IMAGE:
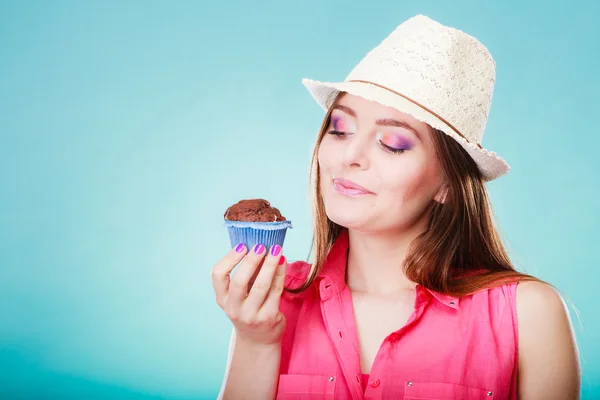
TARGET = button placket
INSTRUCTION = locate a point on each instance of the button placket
(346, 352)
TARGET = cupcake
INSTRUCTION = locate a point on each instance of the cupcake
(255, 221)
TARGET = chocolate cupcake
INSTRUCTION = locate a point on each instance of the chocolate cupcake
(255, 221)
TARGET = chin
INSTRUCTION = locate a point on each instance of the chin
(344, 213)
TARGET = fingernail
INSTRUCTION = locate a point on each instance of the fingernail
(281, 260)
(259, 248)
(240, 247)
(275, 250)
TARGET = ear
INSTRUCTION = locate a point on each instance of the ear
(442, 194)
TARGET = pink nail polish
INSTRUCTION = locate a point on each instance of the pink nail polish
(240, 247)
(259, 248)
(275, 250)
(281, 260)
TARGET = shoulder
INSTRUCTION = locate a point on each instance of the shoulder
(541, 313)
(291, 304)
(539, 301)
(547, 346)
(296, 273)
(529, 297)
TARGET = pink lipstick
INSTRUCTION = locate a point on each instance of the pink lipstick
(349, 188)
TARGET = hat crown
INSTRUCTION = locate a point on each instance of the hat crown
(441, 68)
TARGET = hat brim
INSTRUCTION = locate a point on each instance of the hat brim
(490, 164)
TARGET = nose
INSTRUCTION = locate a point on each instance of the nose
(356, 153)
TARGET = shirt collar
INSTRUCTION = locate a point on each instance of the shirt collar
(332, 278)
(333, 273)
(446, 299)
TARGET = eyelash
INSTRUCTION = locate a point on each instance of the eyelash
(339, 134)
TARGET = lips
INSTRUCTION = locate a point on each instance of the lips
(350, 188)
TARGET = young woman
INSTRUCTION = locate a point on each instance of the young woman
(411, 293)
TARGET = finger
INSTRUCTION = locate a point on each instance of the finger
(264, 281)
(221, 270)
(271, 303)
(238, 287)
(255, 275)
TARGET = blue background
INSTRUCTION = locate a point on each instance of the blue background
(127, 128)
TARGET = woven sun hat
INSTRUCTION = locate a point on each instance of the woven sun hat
(437, 74)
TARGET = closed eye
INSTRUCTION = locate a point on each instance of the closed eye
(392, 149)
(385, 147)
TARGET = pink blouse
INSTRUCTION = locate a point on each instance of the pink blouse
(450, 348)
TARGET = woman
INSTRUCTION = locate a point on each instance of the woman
(411, 293)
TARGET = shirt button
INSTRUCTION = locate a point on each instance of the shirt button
(375, 383)
(331, 378)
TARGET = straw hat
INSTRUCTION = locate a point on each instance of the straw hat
(439, 75)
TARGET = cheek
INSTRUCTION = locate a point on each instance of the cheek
(407, 182)
(321, 159)
(422, 189)
(325, 156)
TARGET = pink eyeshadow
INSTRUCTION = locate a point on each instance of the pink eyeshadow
(395, 141)
(340, 125)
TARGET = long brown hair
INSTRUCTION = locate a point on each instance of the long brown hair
(459, 253)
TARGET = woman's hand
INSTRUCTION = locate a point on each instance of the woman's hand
(251, 304)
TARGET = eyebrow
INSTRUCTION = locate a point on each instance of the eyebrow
(380, 122)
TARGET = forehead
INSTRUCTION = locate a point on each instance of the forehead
(366, 108)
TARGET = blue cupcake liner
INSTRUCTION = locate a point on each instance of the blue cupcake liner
(251, 233)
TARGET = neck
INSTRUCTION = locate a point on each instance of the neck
(375, 262)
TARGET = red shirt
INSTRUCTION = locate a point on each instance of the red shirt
(450, 348)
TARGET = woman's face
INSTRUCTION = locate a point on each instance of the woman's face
(378, 167)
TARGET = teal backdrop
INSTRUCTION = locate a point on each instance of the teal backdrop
(128, 127)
